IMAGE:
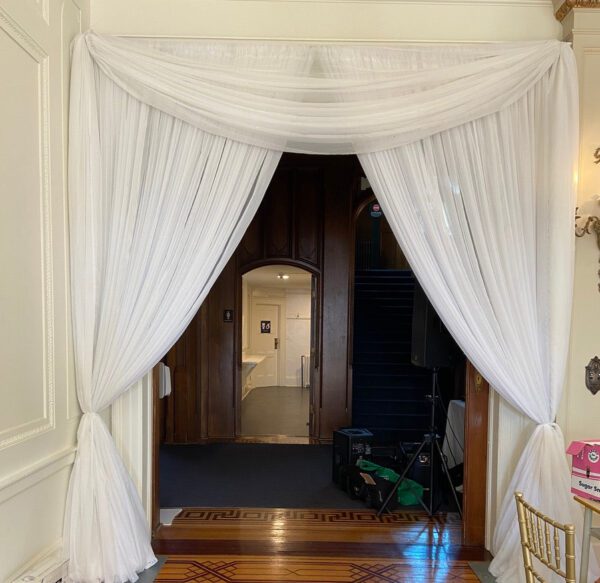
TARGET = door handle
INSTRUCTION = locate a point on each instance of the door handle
(276, 343)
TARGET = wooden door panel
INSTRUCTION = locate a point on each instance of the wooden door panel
(475, 463)
(182, 407)
(222, 355)
(307, 224)
(278, 217)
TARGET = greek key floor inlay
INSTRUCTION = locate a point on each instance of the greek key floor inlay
(304, 517)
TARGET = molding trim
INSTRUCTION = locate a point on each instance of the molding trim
(519, 3)
(51, 557)
(73, 409)
(50, 553)
(21, 480)
(568, 5)
(43, 7)
(34, 428)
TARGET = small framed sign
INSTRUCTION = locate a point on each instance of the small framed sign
(265, 326)
(228, 316)
(376, 210)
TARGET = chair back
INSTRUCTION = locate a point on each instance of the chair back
(541, 539)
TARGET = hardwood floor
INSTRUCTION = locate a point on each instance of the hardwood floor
(247, 569)
(305, 545)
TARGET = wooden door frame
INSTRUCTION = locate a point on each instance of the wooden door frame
(477, 395)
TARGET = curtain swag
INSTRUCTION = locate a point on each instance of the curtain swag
(470, 149)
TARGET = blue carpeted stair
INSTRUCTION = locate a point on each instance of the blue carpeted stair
(388, 394)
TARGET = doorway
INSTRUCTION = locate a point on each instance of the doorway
(277, 343)
(306, 221)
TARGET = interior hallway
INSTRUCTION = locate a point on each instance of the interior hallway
(276, 411)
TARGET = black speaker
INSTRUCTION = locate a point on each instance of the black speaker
(349, 444)
(432, 345)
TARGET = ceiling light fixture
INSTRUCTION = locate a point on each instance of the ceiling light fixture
(283, 276)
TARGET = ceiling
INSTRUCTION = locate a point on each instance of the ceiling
(267, 277)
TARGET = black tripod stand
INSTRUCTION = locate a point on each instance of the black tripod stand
(431, 440)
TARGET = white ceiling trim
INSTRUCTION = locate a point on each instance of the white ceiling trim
(422, 2)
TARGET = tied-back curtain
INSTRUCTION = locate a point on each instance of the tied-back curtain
(157, 207)
(490, 238)
(483, 212)
(469, 148)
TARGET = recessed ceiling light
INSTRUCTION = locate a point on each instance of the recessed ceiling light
(283, 276)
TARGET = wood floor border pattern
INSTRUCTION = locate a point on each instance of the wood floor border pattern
(307, 517)
(264, 569)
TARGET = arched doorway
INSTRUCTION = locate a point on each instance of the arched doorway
(278, 346)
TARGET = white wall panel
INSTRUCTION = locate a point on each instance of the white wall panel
(38, 417)
(579, 415)
(297, 336)
(25, 259)
(580, 411)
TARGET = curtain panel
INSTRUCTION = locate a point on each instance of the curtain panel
(470, 149)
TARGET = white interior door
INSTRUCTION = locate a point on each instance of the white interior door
(265, 340)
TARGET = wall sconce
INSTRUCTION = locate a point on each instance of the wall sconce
(585, 222)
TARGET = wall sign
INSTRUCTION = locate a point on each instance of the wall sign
(265, 326)
(228, 316)
(376, 210)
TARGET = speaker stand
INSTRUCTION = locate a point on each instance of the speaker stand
(431, 440)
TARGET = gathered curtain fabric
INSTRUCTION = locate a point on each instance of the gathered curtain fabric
(470, 149)
(157, 207)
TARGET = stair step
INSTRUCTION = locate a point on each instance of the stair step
(388, 391)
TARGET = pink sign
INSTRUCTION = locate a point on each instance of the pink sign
(585, 474)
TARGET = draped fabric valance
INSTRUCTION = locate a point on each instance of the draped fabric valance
(335, 105)
(471, 150)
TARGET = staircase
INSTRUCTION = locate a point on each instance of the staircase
(388, 393)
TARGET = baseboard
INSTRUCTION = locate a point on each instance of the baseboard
(49, 566)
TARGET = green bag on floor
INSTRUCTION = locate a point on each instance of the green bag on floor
(409, 492)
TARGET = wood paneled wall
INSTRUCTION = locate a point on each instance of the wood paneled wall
(305, 219)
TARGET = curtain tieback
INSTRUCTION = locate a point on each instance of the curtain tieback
(552, 424)
(87, 422)
(549, 425)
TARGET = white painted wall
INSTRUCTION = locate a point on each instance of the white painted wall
(39, 413)
(580, 411)
(297, 334)
(330, 20)
(579, 415)
(294, 330)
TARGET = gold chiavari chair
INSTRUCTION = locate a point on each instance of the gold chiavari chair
(541, 539)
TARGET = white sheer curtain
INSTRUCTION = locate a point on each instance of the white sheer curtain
(157, 207)
(422, 95)
(470, 149)
(484, 214)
